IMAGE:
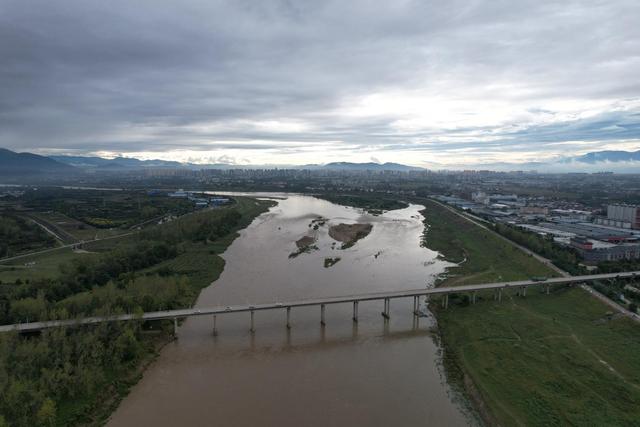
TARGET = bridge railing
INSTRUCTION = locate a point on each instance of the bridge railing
(386, 297)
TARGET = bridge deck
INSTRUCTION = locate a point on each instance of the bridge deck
(173, 314)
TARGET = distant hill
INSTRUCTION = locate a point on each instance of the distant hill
(118, 163)
(369, 166)
(14, 164)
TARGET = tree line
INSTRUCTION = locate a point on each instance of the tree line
(61, 376)
(565, 258)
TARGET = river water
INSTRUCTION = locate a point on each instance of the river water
(370, 373)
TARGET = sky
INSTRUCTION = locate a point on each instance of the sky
(297, 82)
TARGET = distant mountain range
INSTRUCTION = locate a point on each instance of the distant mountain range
(99, 163)
(14, 164)
(121, 163)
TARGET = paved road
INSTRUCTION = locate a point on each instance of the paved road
(57, 248)
(174, 314)
(619, 308)
(58, 232)
(540, 258)
(69, 245)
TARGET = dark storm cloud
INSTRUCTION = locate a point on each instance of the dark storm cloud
(154, 76)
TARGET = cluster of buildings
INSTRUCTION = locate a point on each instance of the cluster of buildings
(622, 216)
(596, 237)
(615, 237)
(200, 200)
(11, 194)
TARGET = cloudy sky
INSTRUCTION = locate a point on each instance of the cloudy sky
(295, 82)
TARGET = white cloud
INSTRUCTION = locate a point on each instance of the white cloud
(301, 82)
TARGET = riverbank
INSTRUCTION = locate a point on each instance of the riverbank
(337, 374)
(535, 360)
(77, 376)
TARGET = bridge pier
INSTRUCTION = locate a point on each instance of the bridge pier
(288, 317)
(500, 295)
(385, 312)
(252, 329)
(215, 330)
(445, 301)
(175, 326)
(473, 297)
(416, 303)
(322, 315)
(355, 311)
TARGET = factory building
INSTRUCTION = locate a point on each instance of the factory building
(595, 251)
(622, 216)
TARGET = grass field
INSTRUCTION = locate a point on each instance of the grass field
(104, 209)
(559, 359)
(201, 262)
(75, 228)
(483, 257)
(48, 264)
(44, 265)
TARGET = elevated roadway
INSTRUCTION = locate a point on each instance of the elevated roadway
(498, 287)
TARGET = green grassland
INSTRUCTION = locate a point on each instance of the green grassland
(104, 209)
(36, 266)
(201, 261)
(556, 359)
(19, 234)
(78, 229)
(482, 256)
(47, 264)
(559, 359)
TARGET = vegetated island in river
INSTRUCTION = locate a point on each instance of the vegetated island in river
(349, 234)
(375, 205)
(305, 244)
(330, 262)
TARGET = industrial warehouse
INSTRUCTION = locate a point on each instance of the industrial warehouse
(596, 237)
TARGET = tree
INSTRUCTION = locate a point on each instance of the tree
(46, 415)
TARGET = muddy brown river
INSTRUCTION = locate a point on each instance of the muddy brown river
(370, 373)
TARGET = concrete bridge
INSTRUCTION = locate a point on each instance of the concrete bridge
(386, 297)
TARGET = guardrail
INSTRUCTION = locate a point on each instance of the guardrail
(498, 287)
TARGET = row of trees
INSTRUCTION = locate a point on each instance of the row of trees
(62, 375)
(197, 227)
(39, 375)
(17, 234)
(105, 209)
(565, 258)
(35, 300)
